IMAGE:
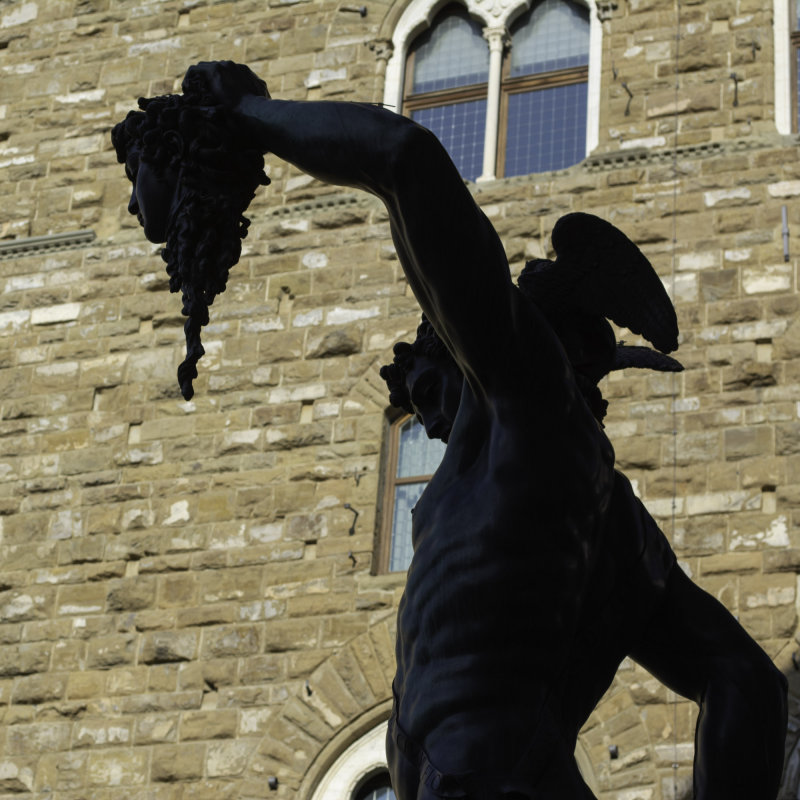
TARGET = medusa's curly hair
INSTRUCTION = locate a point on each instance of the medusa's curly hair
(426, 344)
(218, 174)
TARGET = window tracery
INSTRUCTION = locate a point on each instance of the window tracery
(507, 73)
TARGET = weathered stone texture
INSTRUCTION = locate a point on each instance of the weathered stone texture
(171, 573)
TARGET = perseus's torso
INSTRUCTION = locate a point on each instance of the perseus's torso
(505, 536)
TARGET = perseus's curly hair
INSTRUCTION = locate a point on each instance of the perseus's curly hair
(218, 174)
(427, 344)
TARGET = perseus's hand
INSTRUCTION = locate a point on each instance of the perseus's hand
(222, 83)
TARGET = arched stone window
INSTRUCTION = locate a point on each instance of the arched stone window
(446, 75)
(545, 90)
(412, 460)
(510, 89)
(377, 787)
(360, 772)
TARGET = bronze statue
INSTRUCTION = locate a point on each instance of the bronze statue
(528, 546)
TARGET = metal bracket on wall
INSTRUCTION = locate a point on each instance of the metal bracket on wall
(355, 518)
(785, 231)
(624, 85)
(735, 78)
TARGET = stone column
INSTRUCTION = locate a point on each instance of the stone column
(383, 49)
(498, 41)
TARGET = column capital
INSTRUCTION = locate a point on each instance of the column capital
(382, 48)
(498, 38)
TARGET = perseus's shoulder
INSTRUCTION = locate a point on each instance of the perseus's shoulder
(530, 366)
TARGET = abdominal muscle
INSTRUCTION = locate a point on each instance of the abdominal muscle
(502, 554)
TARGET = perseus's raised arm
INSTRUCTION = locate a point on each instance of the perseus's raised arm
(451, 255)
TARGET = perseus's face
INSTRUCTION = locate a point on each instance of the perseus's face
(153, 196)
(434, 386)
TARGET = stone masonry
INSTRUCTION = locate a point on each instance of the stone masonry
(183, 612)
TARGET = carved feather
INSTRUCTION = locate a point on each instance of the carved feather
(644, 358)
(600, 271)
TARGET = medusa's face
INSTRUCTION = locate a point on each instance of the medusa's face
(153, 196)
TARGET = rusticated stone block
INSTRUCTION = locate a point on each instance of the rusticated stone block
(763, 472)
(697, 447)
(748, 442)
(782, 560)
(217, 724)
(734, 563)
(179, 762)
(159, 647)
(40, 688)
(283, 635)
(177, 589)
(162, 678)
(116, 768)
(81, 599)
(110, 651)
(155, 620)
(787, 438)
(231, 640)
(749, 374)
(762, 591)
(141, 703)
(784, 622)
(640, 452)
(131, 594)
(699, 536)
(26, 740)
(16, 776)
(217, 586)
(308, 527)
(68, 656)
(98, 733)
(218, 614)
(154, 728)
(85, 684)
(291, 437)
(24, 659)
(261, 669)
(319, 604)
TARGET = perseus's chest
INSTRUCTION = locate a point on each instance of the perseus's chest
(484, 494)
(518, 479)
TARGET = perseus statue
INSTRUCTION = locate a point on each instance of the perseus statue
(528, 545)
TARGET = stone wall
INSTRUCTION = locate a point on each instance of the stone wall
(183, 612)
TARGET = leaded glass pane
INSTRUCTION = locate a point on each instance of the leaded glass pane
(546, 129)
(383, 793)
(460, 128)
(553, 35)
(451, 53)
(418, 455)
(405, 498)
